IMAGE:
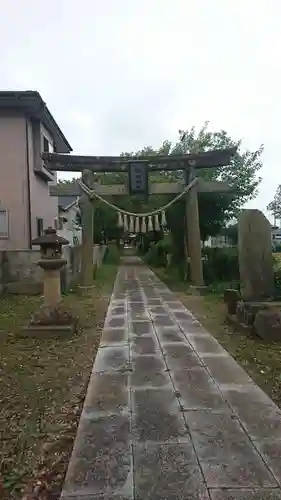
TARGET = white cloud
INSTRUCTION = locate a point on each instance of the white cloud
(118, 75)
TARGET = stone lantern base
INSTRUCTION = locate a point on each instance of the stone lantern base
(55, 321)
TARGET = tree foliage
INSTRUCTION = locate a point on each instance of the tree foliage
(216, 209)
(274, 207)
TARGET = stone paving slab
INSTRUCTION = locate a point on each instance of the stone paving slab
(168, 335)
(256, 411)
(107, 393)
(156, 416)
(144, 345)
(180, 357)
(245, 494)
(102, 458)
(114, 336)
(205, 344)
(169, 471)
(142, 328)
(98, 497)
(169, 414)
(195, 398)
(238, 471)
(149, 371)
(113, 358)
(224, 369)
(270, 450)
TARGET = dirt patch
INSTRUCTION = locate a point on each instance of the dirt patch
(42, 389)
(260, 359)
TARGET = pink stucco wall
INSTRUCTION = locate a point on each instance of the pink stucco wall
(42, 204)
(14, 183)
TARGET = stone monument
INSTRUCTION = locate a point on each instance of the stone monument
(255, 310)
(52, 318)
(255, 256)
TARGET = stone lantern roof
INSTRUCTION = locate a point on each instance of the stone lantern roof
(50, 238)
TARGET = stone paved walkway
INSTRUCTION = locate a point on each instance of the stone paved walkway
(168, 413)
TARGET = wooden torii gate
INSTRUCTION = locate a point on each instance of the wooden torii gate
(188, 163)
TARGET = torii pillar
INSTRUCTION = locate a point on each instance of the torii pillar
(87, 223)
(193, 235)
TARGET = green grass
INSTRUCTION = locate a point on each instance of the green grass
(106, 273)
(171, 277)
(277, 261)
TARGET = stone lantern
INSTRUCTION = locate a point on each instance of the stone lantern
(51, 262)
(52, 318)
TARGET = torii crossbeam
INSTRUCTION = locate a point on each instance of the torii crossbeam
(74, 163)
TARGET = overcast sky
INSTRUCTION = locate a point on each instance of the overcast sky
(121, 74)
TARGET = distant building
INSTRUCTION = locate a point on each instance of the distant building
(27, 128)
(220, 241)
(276, 236)
(67, 223)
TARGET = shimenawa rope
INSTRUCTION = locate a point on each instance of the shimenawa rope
(92, 193)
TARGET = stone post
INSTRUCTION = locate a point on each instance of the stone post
(194, 237)
(52, 288)
(87, 222)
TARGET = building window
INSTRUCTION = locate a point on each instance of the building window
(4, 223)
(39, 224)
(58, 223)
(46, 145)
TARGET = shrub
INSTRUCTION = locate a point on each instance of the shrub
(155, 256)
(277, 261)
(277, 282)
(112, 254)
(157, 253)
(220, 264)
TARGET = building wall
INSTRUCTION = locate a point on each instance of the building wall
(15, 133)
(13, 181)
(20, 274)
(42, 204)
(219, 241)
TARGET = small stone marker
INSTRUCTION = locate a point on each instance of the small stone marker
(268, 325)
(255, 256)
(231, 297)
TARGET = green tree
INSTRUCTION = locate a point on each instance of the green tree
(216, 209)
(274, 207)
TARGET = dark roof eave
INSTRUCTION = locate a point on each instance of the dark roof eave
(55, 127)
(32, 103)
